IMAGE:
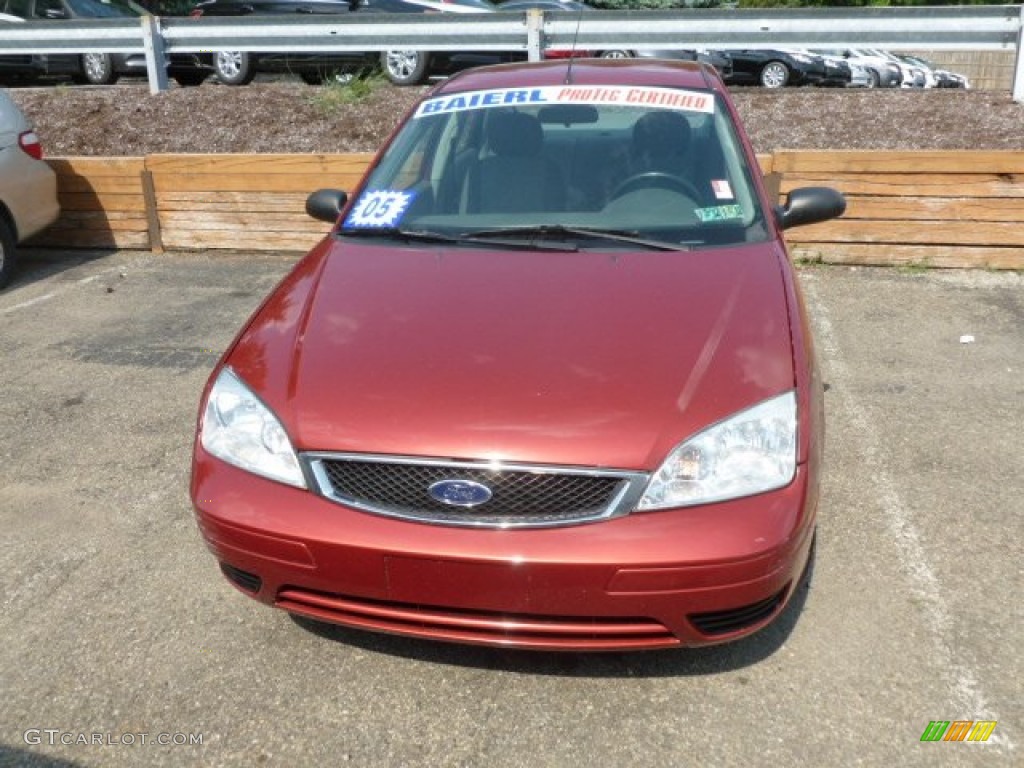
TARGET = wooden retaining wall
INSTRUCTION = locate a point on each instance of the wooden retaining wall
(950, 209)
(103, 204)
(245, 201)
(946, 209)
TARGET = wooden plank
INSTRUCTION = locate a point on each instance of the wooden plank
(934, 209)
(121, 184)
(911, 232)
(251, 182)
(90, 239)
(961, 257)
(283, 203)
(100, 224)
(98, 220)
(870, 161)
(243, 164)
(254, 241)
(87, 201)
(152, 217)
(90, 201)
(917, 185)
(277, 222)
(69, 215)
(97, 166)
(766, 162)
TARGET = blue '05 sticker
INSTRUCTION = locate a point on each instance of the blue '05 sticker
(379, 208)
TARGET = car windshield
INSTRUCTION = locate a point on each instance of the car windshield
(608, 166)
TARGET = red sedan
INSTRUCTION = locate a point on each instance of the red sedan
(549, 382)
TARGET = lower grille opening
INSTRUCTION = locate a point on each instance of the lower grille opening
(479, 627)
(247, 582)
(735, 619)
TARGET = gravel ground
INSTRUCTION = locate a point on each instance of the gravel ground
(293, 117)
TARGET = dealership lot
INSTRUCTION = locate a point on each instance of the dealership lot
(117, 623)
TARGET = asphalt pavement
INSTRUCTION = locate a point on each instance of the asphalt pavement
(118, 632)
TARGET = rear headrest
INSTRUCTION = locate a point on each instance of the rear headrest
(514, 134)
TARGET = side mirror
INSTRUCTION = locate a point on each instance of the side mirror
(809, 205)
(326, 204)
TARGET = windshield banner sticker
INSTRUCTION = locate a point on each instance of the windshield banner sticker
(720, 213)
(616, 95)
(379, 208)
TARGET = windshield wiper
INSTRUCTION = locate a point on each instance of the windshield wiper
(427, 236)
(420, 235)
(559, 231)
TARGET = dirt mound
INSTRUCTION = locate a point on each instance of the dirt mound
(293, 117)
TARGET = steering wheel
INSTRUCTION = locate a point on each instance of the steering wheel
(657, 179)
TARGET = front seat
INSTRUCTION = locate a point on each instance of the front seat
(515, 177)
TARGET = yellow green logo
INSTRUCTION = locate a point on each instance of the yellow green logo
(958, 730)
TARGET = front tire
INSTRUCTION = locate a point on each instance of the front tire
(190, 79)
(616, 54)
(774, 74)
(405, 67)
(234, 67)
(873, 79)
(8, 253)
(97, 69)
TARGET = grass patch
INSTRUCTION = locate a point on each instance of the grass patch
(914, 267)
(809, 259)
(343, 90)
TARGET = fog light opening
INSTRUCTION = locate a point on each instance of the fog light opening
(245, 581)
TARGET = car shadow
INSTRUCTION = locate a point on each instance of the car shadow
(24, 759)
(674, 662)
(39, 263)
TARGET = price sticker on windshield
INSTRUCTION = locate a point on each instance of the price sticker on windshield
(379, 208)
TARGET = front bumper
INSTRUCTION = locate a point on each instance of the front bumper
(648, 580)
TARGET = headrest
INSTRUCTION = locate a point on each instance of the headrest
(661, 134)
(514, 134)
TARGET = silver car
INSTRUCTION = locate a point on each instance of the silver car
(28, 186)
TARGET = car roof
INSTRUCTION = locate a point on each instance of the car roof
(649, 72)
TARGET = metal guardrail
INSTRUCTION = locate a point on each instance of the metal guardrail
(935, 28)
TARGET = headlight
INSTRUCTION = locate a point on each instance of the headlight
(751, 452)
(241, 430)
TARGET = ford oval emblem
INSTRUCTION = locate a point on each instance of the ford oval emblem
(460, 493)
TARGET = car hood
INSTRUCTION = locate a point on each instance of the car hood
(586, 358)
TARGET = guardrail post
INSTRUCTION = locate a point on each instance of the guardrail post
(535, 34)
(1018, 68)
(156, 55)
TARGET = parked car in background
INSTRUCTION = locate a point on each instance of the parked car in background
(860, 77)
(717, 59)
(838, 73)
(15, 67)
(720, 60)
(911, 75)
(881, 72)
(936, 77)
(547, 384)
(28, 186)
(240, 67)
(92, 68)
(402, 67)
(775, 68)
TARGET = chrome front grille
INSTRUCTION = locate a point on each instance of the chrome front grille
(520, 495)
